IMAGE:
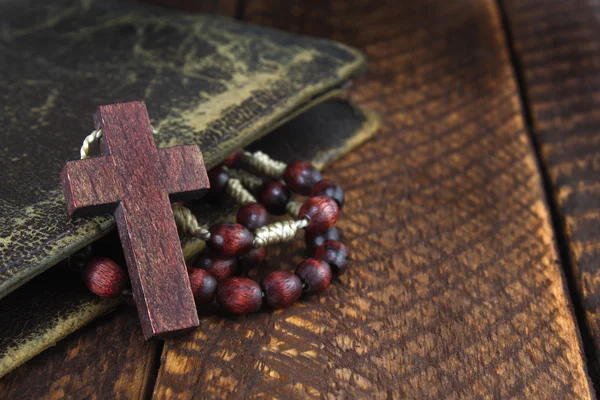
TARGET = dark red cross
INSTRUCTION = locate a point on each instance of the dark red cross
(133, 180)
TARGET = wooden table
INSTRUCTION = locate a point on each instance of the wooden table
(473, 215)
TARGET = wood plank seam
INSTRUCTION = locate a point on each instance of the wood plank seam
(558, 224)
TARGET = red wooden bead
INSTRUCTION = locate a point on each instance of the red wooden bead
(233, 160)
(315, 275)
(314, 240)
(218, 178)
(104, 277)
(274, 196)
(252, 258)
(281, 289)
(329, 188)
(218, 266)
(253, 216)
(239, 295)
(230, 239)
(301, 176)
(204, 286)
(336, 254)
(322, 212)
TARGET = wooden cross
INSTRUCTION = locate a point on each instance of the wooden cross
(133, 180)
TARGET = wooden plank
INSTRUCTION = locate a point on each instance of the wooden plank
(108, 358)
(455, 290)
(558, 48)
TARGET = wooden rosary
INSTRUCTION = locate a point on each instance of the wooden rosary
(237, 247)
(136, 180)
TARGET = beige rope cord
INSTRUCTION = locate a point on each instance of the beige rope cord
(293, 208)
(265, 164)
(187, 224)
(84, 152)
(278, 232)
(186, 221)
(236, 190)
(87, 142)
(251, 182)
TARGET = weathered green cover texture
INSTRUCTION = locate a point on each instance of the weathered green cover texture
(205, 79)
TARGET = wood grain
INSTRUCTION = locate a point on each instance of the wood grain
(557, 44)
(107, 359)
(455, 290)
(136, 178)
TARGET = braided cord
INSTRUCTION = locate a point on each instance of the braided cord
(84, 152)
(236, 190)
(251, 182)
(187, 224)
(293, 208)
(87, 142)
(265, 164)
(278, 232)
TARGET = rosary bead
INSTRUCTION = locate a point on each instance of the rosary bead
(230, 239)
(274, 196)
(253, 216)
(315, 275)
(252, 258)
(204, 286)
(301, 176)
(314, 240)
(218, 266)
(239, 295)
(233, 160)
(104, 277)
(281, 289)
(336, 254)
(322, 212)
(218, 178)
(329, 188)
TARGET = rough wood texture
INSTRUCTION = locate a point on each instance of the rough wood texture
(557, 44)
(135, 178)
(455, 290)
(108, 359)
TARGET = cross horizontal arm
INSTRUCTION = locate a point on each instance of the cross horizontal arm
(89, 184)
(184, 173)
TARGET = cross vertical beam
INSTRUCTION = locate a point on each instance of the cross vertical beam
(134, 178)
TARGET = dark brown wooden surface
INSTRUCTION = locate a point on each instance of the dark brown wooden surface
(108, 359)
(557, 44)
(136, 178)
(456, 290)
